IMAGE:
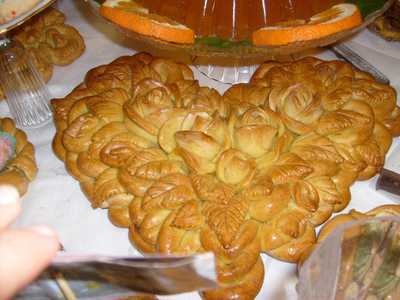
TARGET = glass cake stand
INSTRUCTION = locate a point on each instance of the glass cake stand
(23, 87)
(229, 75)
(230, 64)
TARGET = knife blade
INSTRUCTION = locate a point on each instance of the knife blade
(108, 277)
(344, 52)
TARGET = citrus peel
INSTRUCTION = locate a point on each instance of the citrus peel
(130, 15)
(338, 18)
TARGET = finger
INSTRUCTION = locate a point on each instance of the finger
(9, 205)
(24, 254)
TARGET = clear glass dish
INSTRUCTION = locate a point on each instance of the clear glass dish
(25, 91)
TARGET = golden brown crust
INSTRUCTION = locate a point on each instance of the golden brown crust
(255, 170)
(56, 42)
(44, 67)
(62, 44)
(49, 41)
(21, 169)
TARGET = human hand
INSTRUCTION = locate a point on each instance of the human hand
(24, 253)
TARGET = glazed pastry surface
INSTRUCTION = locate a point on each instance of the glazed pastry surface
(49, 41)
(20, 168)
(255, 170)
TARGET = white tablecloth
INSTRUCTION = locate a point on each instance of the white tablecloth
(55, 198)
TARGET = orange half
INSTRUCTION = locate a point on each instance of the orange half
(338, 18)
(130, 15)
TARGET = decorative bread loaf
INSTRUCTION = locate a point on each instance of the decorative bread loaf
(49, 41)
(17, 157)
(56, 42)
(255, 170)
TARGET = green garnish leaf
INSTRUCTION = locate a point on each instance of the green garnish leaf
(368, 7)
(218, 42)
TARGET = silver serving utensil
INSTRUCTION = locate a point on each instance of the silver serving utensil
(90, 277)
(344, 52)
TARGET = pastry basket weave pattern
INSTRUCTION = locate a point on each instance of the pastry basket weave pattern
(49, 42)
(21, 168)
(254, 170)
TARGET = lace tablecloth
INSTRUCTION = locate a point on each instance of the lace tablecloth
(55, 198)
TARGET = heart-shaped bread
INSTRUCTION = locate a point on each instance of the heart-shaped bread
(254, 170)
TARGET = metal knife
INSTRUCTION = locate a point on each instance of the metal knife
(344, 52)
(89, 277)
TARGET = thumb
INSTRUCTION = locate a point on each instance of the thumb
(9, 205)
(24, 254)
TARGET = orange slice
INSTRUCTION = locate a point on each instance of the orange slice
(338, 18)
(132, 16)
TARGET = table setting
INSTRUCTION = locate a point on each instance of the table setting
(74, 158)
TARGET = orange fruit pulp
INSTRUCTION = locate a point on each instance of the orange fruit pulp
(338, 18)
(132, 16)
(235, 19)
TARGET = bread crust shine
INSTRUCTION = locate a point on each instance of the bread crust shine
(255, 170)
(20, 169)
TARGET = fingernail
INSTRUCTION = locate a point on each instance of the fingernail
(8, 195)
(43, 230)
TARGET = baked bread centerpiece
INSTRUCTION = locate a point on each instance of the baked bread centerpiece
(49, 38)
(17, 157)
(49, 41)
(255, 170)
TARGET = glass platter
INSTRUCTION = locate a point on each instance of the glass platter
(19, 20)
(199, 53)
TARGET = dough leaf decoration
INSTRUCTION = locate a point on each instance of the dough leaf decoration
(225, 219)
(189, 217)
(170, 192)
(254, 170)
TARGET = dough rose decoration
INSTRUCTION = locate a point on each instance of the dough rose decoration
(17, 157)
(57, 42)
(256, 170)
(49, 41)
(357, 114)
